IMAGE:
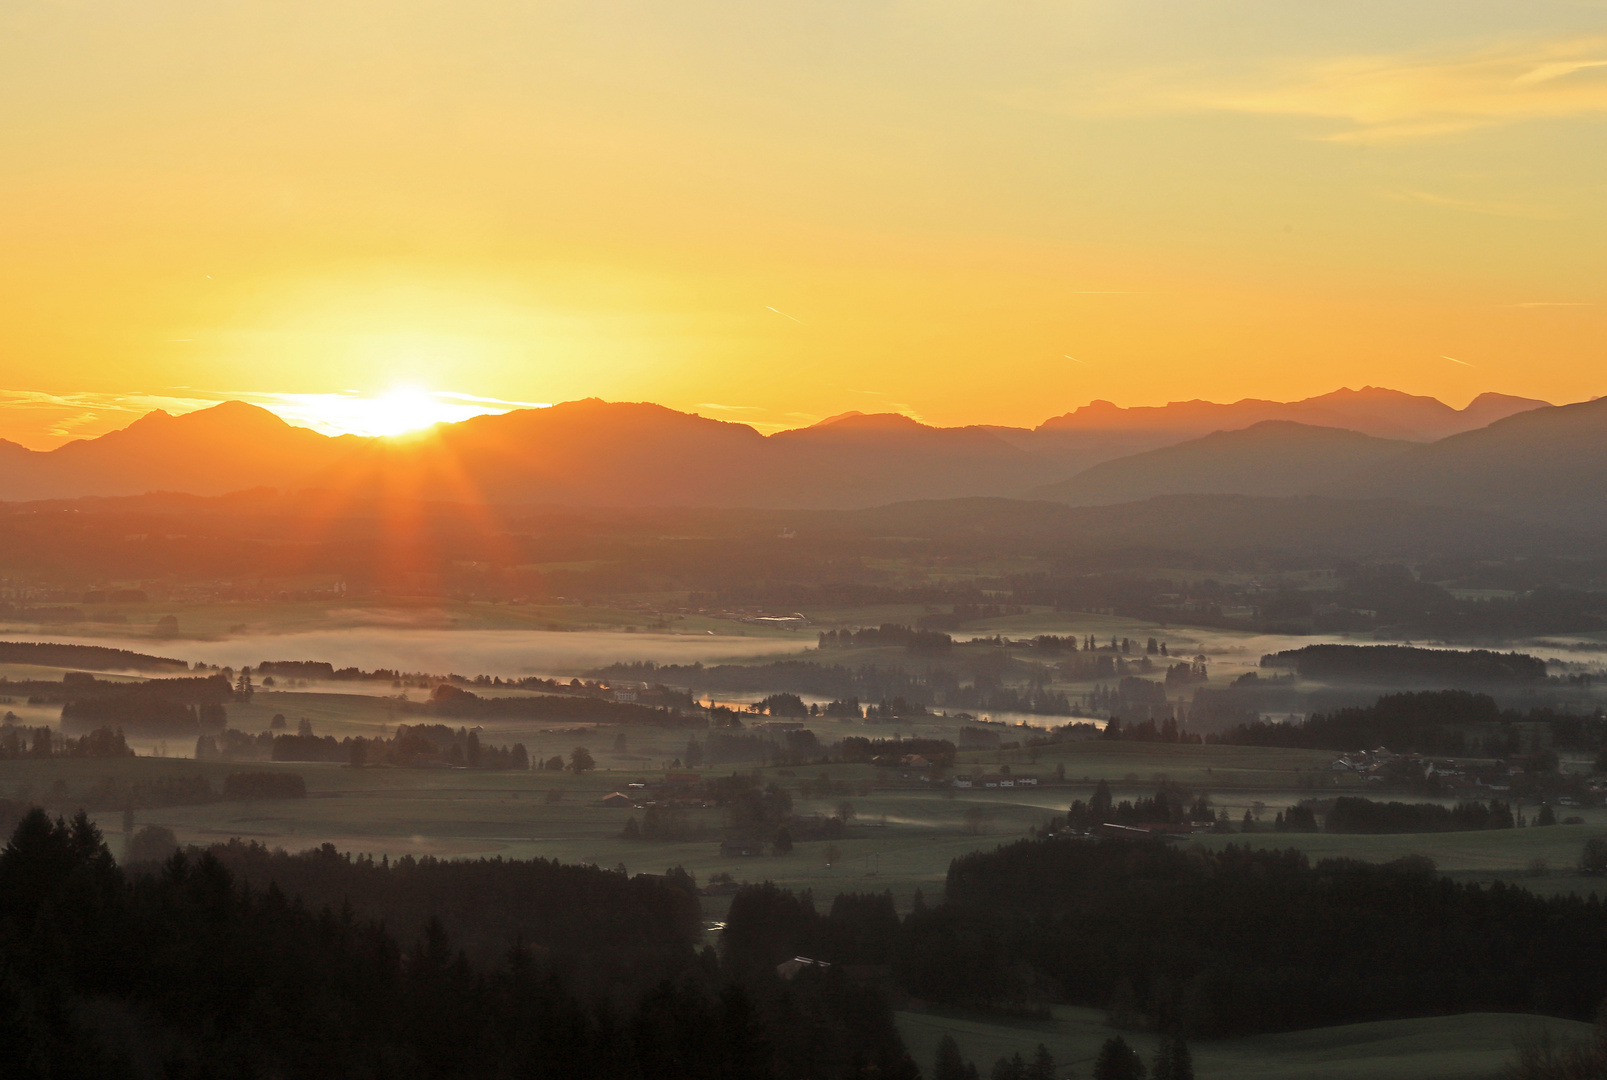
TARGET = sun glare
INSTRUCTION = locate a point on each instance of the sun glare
(405, 409)
(399, 411)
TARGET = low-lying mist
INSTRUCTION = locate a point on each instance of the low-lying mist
(463, 652)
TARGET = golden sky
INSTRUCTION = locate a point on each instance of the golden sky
(773, 211)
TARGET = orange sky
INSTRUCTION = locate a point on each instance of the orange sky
(774, 212)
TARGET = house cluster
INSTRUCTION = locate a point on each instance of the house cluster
(993, 780)
(678, 789)
(1478, 779)
(905, 761)
(1368, 764)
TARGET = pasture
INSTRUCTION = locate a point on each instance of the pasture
(1470, 1046)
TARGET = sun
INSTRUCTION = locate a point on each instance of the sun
(405, 409)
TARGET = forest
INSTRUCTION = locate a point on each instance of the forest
(191, 968)
(1207, 944)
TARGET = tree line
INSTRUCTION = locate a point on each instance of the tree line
(200, 970)
(1405, 663)
(1205, 944)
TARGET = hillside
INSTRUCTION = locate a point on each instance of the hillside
(1273, 457)
(598, 453)
(1372, 410)
(1546, 465)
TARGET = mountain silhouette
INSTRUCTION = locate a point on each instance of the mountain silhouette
(1273, 457)
(598, 453)
(1386, 414)
(1543, 465)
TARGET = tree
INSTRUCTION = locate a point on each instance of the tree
(1010, 1068)
(1593, 860)
(580, 760)
(783, 841)
(845, 811)
(1173, 1060)
(1099, 805)
(976, 819)
(1547, 816)
(1118, 1061)
(1043, 1065)
(948, 1064)
(152, 844)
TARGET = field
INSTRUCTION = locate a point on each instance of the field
(903, 835)
(904, 830)
(1471, 1045)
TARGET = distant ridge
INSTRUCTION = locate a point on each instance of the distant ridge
(99, 657)
(1372, 410)
(1544, 465)
(599, 453)
(1273, 457)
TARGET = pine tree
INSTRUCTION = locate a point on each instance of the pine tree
(1118, 1061)
(1099, 805)
(948, 1065)
(1173, 1060)
(1010, 1068)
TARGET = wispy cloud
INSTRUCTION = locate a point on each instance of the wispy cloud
(1552, 303)
(1474, 206)
(1376, 98)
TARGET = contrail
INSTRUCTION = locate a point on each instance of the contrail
(1073, 359)
(1454, 360)
(783, 314)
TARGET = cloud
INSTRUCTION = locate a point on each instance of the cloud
(1380, 98)
(1552, 303)
(1475, 206)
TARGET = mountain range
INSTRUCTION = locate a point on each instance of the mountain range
(1514, 456)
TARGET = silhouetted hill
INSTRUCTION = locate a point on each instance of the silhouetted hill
(587, 452)
(1233, 528)
(1371, 410)
(1546, 465)
(1273, 457)
(864, 460)
(209, 452)
(597, 453)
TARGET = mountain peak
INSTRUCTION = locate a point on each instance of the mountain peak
(859, 421)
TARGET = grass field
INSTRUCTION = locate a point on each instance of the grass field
(1464, 1047)
(904, 835)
